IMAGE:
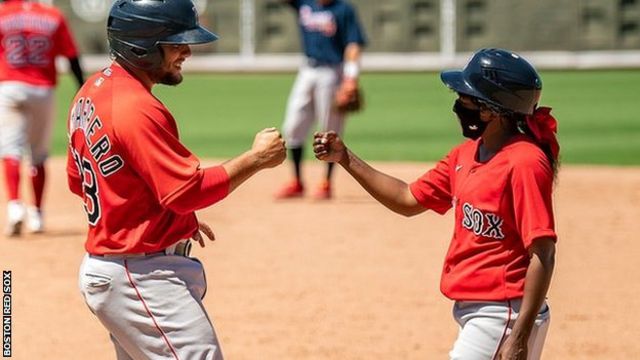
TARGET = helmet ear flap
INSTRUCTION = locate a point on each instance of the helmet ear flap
(139, 51)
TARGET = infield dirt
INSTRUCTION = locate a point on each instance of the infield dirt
(344, 279)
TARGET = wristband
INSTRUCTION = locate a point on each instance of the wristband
(351, 69)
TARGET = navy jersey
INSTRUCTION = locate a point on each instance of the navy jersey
(327, 30)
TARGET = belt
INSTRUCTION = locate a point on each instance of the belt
(180, 248)
(317, 63)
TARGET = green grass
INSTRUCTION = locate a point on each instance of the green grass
(408, 115)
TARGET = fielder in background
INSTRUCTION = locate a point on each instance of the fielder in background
(332, 39)
(141, 187)
(32, 35)
(501, 257)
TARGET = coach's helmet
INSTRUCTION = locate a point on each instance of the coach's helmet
(136, 28)
(500, 78)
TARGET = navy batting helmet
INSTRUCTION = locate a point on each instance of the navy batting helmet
(498, 77)
(136, 28)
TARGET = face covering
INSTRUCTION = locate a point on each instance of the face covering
(472, 126)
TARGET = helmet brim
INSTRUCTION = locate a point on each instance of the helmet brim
(455, 80)
(197, 35)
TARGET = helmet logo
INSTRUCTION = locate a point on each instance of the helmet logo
(490, 74)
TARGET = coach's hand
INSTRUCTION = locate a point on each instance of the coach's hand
(268, 148)
(329, 147)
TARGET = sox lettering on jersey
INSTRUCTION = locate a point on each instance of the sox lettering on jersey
(482, 223)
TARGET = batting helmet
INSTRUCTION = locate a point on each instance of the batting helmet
(136, 28)
(498, 77)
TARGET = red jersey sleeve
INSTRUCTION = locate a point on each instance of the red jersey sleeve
(65, 45)
(433, 189)
(151, 146)
(73, 175)
(532, 185)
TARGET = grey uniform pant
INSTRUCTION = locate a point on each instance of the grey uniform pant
(311, 99)
(151, 306)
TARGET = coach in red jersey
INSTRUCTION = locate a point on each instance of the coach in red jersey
(140, 186)
(32, 35)
(499, 183)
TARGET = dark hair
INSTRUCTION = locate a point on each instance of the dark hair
(521, 123)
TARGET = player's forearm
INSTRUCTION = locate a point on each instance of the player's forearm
(242, 168)
(536, 286)
(351, 67)
(76, 69)
(388, 190)
(352, 52)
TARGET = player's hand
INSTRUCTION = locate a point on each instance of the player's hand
(349, 85)
(268, 148)
(203, 229)
(513, 348)
(328, 146)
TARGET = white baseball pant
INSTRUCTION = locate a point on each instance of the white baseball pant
(311, 98)
(485, 325)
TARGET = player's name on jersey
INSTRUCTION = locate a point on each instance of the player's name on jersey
(84, 117)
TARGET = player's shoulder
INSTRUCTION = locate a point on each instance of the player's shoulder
(524, 148)
(524, 154)
(129, 95)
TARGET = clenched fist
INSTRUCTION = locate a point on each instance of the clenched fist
(268, 148)
(328, 146)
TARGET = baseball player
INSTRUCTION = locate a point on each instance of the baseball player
(140, 187)
(332, 39)
(499, 183)
(32, 35)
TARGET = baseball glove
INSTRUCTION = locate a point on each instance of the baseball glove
(349, 97)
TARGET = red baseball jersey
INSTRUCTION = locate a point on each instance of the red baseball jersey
(31, 36)
(139, 184)
(501, 207)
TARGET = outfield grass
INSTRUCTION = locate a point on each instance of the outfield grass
(408, 116)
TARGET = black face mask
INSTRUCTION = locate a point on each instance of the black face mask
(472, 126)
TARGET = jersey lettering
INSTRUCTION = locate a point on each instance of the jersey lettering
(494, 229)
(95, 125)
(100, 148)
(23, 51)
(82, 118)
(110, 165)
(482, 223)
(321, 21)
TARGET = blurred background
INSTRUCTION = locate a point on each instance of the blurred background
(588, 53)
(404, 34)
